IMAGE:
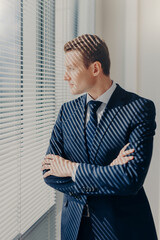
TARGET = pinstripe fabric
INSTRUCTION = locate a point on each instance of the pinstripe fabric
(119, 208)
(92, 124)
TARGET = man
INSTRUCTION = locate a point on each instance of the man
(87, 158)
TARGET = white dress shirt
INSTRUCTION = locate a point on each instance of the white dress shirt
(104, 98)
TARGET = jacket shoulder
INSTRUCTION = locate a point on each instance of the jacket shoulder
(75, 101)
(70, 107)
(131, 97)
(139, 103)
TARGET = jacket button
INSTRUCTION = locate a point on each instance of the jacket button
(87, 189)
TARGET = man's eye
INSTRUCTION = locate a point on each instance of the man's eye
(70, 68)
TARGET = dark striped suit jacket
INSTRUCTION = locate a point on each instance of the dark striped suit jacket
(118, 205)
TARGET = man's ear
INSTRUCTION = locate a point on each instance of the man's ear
(96, 68)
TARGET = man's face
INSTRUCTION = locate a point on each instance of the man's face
(80, 78)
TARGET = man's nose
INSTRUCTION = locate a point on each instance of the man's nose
(67, 76)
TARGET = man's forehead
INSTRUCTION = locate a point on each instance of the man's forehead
(73, 57)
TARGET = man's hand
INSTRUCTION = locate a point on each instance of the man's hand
(122, 157)
(57, 166)
(61, 167)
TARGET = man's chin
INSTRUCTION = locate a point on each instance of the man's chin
(75, 92)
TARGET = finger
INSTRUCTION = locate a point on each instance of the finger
(124, 160)
(129, 158)
(47, 174)
(129, 151)
(121, 160)
(46, 161)
(45, 167)
(123, 149)
(50, 157)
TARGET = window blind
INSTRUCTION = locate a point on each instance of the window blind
(27, 111)
(10, 116)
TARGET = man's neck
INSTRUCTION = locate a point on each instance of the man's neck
(102, 85)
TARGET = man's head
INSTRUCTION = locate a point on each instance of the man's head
(87, 56)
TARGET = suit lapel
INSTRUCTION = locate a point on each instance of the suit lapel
(112, 108)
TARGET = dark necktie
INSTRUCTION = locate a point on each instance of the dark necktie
(92, 123)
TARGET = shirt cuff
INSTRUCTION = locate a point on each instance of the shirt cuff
(74, 171)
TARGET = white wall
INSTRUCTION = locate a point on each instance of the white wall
(149, 85)
(131, 30)
(110, 25)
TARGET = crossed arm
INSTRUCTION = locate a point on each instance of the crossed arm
(124, 176)
(62, 167)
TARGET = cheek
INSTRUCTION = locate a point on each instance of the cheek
(82, 77)
(75, 74)
(87, 79)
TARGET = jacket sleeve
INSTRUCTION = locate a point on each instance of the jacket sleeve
(128, 178)
(63, 184)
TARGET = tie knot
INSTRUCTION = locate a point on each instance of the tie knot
(94, 105)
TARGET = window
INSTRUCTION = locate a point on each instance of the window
(32, 35)
(27, 110)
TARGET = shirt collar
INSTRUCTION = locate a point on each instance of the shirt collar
(105, 96)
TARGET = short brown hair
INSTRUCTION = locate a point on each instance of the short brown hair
(92, 49)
